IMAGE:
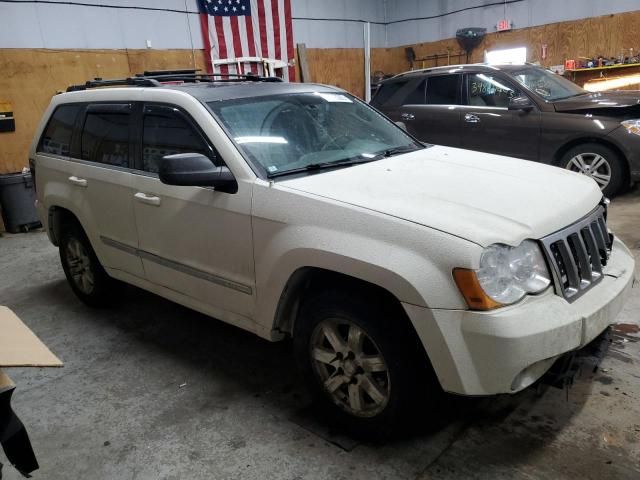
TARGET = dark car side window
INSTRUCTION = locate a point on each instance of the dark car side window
(105, 135)
(166, 131)
(401, 92)
(486, 90)
(443, 90)
(56, 138)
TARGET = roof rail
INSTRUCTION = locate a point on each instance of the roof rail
(155, 78)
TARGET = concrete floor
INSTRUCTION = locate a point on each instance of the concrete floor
(151, 390)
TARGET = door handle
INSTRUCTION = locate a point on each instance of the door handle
(471, 118)
(407, 116)
(148, 199)
(80, 182)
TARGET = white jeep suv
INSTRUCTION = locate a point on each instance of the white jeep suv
(399, 270)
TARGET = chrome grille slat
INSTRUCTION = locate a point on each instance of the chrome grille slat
(584, 263)
(578, 253)
(594, 255)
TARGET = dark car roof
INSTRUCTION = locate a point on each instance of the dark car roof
(215, 91)
(462, 68)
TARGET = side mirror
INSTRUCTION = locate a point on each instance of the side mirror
(520, 103)
(195, 170)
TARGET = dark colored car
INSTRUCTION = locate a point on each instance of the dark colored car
(521, 111)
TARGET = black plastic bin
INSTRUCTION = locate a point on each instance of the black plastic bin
(17, 202)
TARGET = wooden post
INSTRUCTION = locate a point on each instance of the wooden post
(305, 76)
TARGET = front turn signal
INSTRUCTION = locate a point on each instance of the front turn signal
(472, 291)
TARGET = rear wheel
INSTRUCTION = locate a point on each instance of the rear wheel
(600, 163)
(83, 270)
(363, 363)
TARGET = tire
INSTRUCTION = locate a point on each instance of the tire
(582, 158)
(380, 375)
(86, 276)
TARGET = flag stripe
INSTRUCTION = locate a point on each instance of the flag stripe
(228, 36)
(237, 45)
(250, 39)
(289, 29)
(275, 16)
(206, 40)
(264, 52)
(222, 44)
(268, 17)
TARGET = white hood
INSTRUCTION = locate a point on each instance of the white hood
(477, 196)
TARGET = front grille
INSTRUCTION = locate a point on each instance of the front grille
(577, 254)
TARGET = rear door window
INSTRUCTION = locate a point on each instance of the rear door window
(485, 90)
(401, 92)
(443, 90)
(56, 138)
(105, 134)
(167, 131)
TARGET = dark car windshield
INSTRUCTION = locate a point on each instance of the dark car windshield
(548, 85)
(293, 132)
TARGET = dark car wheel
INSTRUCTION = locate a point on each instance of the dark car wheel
(361, 364)
(598, 162)
(83, 270)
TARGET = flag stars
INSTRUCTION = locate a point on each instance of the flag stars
(243, 7)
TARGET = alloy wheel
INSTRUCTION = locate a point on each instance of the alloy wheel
(593, 165)
(79, 265)
(351, 367)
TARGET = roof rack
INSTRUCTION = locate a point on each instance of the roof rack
(155, 78)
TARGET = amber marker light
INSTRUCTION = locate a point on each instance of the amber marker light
(472, 291)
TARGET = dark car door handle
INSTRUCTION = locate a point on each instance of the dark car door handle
(471, 118)
(407, 116)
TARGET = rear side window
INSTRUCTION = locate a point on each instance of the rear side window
(404, 92)
(105, 136)
(166, 131)
(56, 138)
(443, 90)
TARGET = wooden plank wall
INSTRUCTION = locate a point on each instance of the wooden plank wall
(607, 35)
(29, 78)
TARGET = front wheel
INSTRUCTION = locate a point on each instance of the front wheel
(598, 162)
(363, 363)
(83, 270)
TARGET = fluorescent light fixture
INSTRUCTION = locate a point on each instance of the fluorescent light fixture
(612, 83)
(507, 55)
(242, 140)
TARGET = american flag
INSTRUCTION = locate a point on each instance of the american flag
(250, 35)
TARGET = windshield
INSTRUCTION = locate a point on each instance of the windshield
(550, 86)
(287, 133)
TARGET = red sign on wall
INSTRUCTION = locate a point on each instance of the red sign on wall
(503, 25)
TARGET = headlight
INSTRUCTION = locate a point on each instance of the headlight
(507, 274)
(632, 126)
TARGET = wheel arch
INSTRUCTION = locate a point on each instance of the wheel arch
(57, 217)
(560, 152)
(306, 280)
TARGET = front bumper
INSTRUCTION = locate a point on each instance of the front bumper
(506, 350)
(629, 143)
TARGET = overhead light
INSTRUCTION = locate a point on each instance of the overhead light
(507, 55)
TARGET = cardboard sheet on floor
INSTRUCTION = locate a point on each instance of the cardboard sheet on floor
(19, 347)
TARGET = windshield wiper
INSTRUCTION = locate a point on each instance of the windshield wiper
(343, 162)
(397, 151)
